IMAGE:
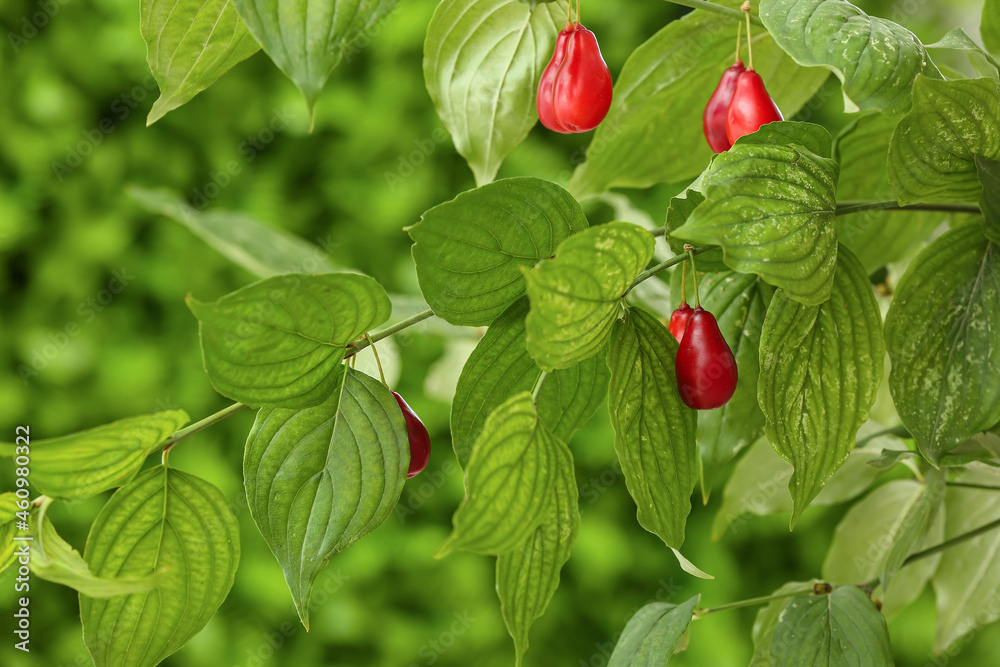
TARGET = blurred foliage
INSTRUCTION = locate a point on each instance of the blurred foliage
(93, 328)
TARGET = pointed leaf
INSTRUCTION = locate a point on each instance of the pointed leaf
(652, 634)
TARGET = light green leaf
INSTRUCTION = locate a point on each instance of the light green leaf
(500, 367)
(989, 28)
(528, 576)
(179, 527)
(483, 60)
(820, 369)
(320, 479)
(959, 40)
(654, 430)
(281, 341)
(307, 39)
(989, 176)
(914, 525)
(681, 208)
(576, 296)
(262, 250)
(841, 628)
(875, 59)
(189, 45)
(932, 157)
(771, 208)
(943, 337)
(653, 131)
(8, 528)
(767, 619)
(84, 464)
(469, 251)
(651, 636)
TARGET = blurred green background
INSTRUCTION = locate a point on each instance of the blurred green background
(95, 356)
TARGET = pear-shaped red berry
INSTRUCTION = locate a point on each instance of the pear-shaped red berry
(679, 320)
(574, 94)
(706, 367)
(750, 108)
(420, 441)
(717, 110)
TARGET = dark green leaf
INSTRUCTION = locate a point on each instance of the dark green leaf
(652, 634)
(989, 176)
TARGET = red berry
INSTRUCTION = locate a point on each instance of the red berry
(751, 107)
(717, 109)
(574, 94)
(706, 367)
(679, 320)
(420, 441)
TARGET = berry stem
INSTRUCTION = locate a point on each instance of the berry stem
(684, 277)
(715, 9)
(739, 34)
(378, 362)
(694, 275)
(745, 8)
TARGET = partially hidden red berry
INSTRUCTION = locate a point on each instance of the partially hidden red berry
(717, 110)
(750, 108)
(420, 441)
(679, 320)
(574, 94)
(706, 367)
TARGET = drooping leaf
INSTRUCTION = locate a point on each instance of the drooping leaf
(576, 297)
(989, 176)
(469, 251)
(875, 59)
(958, 40)
(500, 367)
(84, 464)
(820, 369)
(943, 336)
(483, 60)
(8, 528)
(652, 634)
(173, 525)
(280, 341)
(770, 206)
(189, 45)
(320, 479)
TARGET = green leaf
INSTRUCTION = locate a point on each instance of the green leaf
(483, 60)
(653, 131)
(576, 296)
(932, 157)
(841, 628)
(943, 337)
(876, 237)
(528, 576)
(767, 619)
(652, 634)
(821, 367)
(281, 341)
(915, 524)
(771, 208)
(509, 481)
(8, 528)
(989, 176)
(875, 59)
(84, 464)
(989, 28)
(654, 430)
(189, 45)
(681, 208)
(173, 524)
(321, 478)
(469, 251)
(959, 40)
(307, 39)
(261, 249)
(500, 367)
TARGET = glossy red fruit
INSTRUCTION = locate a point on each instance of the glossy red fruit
(679, 320)
(574, 94)
(751, 107)
(706, 367)
(420, 441)
(717, 110)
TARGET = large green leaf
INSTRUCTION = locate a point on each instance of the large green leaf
(509, 481)
(989, 28)
(943, 337)
(528, 576)
(653, 131)
(320, 479)
(8, 528)
(500, 367)
(932, 157)
(989, 176)
(654, 430)
(767, 619)
(576, 296)
(189, 45)
(875, 59)
(820, 370)
(482, 63)
(84, 464)
(179, 527)
(770, 205)
(281, 341)
(652, 634)
(469, 251)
